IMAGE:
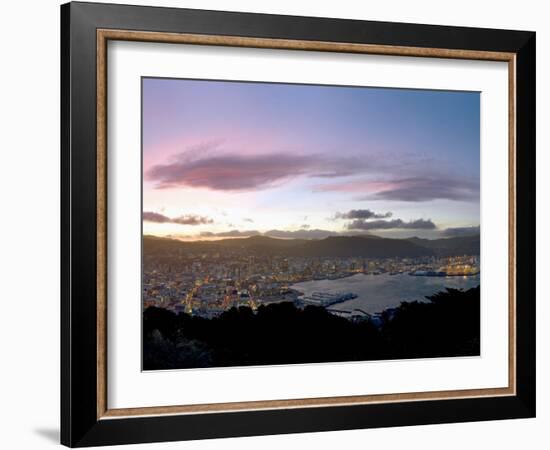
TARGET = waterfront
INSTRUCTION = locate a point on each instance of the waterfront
(378, 292)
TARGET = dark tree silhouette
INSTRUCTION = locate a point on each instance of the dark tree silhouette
(445, 325)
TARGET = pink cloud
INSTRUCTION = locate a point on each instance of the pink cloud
(235, 171)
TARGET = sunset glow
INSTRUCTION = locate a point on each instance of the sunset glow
(235, 159)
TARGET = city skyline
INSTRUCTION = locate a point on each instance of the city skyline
(235, 159)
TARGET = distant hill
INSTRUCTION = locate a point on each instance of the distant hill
(337, 246)
(256, 244)
(463, 245)
(360, 246)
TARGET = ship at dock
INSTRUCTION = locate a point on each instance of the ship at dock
(469, 272)
(327, 299)
(428, 273)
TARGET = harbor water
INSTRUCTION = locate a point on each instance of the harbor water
(378, 292)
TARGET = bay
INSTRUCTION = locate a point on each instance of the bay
(378, 292)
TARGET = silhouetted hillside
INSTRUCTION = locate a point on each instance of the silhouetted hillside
(463, 245)
(445, 326)
(334, 246)
(254, 244)
(360, 246)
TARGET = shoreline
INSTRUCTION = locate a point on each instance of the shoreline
(377, 293)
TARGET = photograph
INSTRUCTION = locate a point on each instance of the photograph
(299, 223)
(277, 222)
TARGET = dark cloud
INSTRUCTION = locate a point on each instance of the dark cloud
(192, 220)
(247, 219)
(189, 219)
(420, 189)
(419, 224)
(460, 231)
(301, 234)
(155, 217)
(278, 234)
(362, 214)
(232, 233)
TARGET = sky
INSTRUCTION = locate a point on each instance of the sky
(233, 159)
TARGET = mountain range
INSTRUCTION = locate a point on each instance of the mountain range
(334, 246)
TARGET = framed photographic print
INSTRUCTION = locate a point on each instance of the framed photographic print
(276, 224)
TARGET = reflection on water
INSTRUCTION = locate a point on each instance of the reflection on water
(378, 292)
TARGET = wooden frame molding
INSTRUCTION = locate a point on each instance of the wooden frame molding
(103, 36)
